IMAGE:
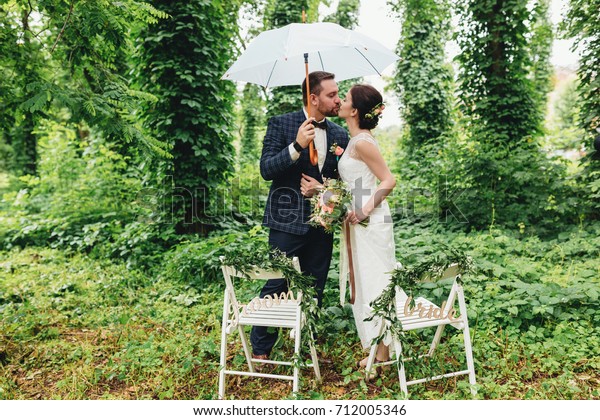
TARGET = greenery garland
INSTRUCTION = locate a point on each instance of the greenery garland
(408, 278)
(266, 258)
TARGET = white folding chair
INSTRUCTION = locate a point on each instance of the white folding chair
(426, 314)
(278, 312)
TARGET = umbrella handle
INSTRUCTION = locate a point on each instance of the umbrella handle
(312, 152)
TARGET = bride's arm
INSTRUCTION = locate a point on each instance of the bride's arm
(369, 153)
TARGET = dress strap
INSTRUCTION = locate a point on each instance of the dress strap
(365, 137)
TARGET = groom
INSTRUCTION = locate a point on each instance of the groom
(285, 161)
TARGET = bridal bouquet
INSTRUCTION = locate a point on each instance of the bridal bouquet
(330, 204)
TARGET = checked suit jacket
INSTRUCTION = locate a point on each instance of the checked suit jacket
(287, 209)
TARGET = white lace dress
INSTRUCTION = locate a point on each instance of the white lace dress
(373, 247)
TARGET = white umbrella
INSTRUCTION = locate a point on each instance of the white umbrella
(276, 57)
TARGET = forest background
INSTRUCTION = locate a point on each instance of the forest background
(127, 167)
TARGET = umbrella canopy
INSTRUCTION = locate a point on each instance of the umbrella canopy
(276, 57)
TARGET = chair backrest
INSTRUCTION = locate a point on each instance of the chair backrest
(255, 273)
(451, 273)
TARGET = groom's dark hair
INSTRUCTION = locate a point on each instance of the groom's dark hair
(315, 78)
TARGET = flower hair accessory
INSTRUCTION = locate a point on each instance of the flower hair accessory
(375, 111)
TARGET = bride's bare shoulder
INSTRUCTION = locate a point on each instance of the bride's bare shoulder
(364, 141)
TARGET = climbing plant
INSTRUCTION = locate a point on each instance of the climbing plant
(423, 77)
(181, 61)
(505, 171)
(583, 25)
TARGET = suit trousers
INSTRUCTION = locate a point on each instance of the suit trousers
(314, 251)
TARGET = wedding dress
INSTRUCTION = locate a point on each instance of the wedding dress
(373, 247)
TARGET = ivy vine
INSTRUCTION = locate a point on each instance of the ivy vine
(423, 77)
(503, 59)
(181, 61)
(583, 25)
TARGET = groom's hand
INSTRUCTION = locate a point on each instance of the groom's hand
(309, 185)
(306, 133)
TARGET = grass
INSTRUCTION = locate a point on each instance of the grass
(73, 327)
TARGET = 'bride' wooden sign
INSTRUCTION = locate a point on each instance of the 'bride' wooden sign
(431, 312)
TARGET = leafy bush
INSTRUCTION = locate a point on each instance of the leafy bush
(86, 197)
(196, 262)
(82, 189)
(520, 281)
(527, 188)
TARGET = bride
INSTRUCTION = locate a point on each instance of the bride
(372, 247)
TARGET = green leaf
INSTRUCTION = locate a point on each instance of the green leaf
(38, 102)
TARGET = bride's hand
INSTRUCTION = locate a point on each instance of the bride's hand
(355, 217)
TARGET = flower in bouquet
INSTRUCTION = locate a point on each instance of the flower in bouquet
(330, 204)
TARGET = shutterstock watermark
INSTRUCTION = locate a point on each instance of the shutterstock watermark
(246, 199)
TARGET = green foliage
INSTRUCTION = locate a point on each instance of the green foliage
(582, 25)
(21, 68)
(111, 331)
(507, 189)
(566, 107)
(6, 155)
(346, 14)
(540, 50)
(283, 12)
(95, 46)
(197, 262)
(589, 182)
(85, 198)
(253, 120)
(100, 329)
(8, 71)
(77, 61)
(505, 177)
(423, 79)
(494, 86)
(79, 189)
(284, 99)
(519, 280)
(562, 123)
(194, 112)
(244, 196)
(251, 108)
(424, 83)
